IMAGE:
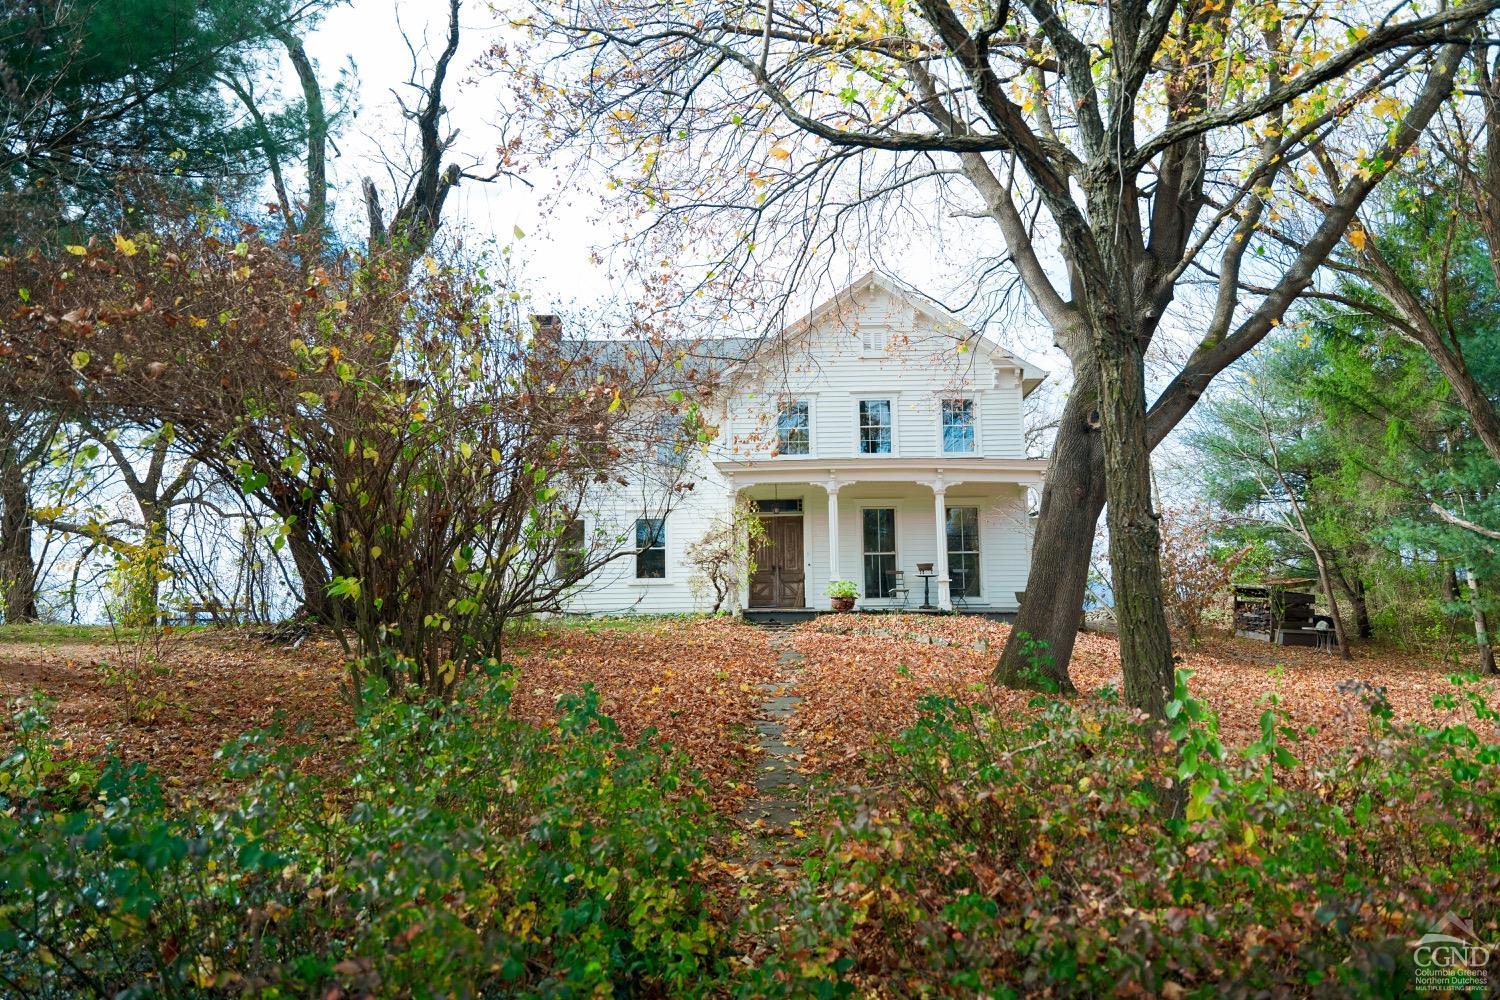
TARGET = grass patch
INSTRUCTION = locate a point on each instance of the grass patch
(48, 634)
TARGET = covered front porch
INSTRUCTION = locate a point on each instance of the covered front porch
(911, 535)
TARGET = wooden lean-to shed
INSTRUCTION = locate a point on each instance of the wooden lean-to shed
(1278, 611)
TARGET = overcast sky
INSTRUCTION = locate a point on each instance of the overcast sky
(562, 230)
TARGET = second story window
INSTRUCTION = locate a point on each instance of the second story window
(958, 426)
(874, 426)
(671, 441)
(872, 340)
(794, 429)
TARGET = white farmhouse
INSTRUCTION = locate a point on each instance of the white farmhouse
(878, 439)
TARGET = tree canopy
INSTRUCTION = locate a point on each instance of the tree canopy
(1150, 145)
(103, 97)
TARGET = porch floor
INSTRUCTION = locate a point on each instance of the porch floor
(788, 616)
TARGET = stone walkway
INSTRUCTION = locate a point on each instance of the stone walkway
(779, 786)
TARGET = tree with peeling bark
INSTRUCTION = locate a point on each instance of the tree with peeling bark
(1149, 143)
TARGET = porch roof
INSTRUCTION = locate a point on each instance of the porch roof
(943, 472)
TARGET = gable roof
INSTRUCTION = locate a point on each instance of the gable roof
(715, 354)
(1031, 375)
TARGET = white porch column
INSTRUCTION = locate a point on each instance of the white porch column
(940, 512)
(832, 486)
(734, 506)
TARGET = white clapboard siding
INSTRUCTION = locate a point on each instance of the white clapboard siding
(875, 342)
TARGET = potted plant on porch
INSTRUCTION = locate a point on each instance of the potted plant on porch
(842, 594)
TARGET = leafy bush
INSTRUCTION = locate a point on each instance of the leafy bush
(463, 852)
(1087, 853)
(842, 589)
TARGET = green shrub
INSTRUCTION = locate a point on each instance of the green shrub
(462, 853)
(1087, 853)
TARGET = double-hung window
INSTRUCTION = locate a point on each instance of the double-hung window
(571, 550)
(794, 429)
(650, 548)
(880, 550)
(671, 441)
(874, 426)
(963, 551)
(958, 427)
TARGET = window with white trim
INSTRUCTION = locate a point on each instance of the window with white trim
(874, 426)
(880, 550)
(963, 551)
(959, 434)
(650, 548)
(571, 550)
(674, 440)
(794, 429)
(873, 339)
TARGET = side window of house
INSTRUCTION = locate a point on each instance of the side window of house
(671, 441)
(872, 340)
(570, 550)
(874, 426)
(958, 426)
(794, 429)
(650, 548)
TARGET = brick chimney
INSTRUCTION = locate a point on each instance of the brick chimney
(548, 332)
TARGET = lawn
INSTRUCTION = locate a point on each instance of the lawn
(914, 849)
(699, 682)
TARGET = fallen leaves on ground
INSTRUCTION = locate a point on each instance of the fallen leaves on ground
(865, 673)
(212, 687)
(696, 681)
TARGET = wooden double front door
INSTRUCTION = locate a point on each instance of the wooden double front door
(780, 578)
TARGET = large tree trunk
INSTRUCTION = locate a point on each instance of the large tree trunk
(314, 575)
(1041, 641)
(17, 571)
(1134, 534)
(1362, 626)
(1354, 589)
(1481, 629)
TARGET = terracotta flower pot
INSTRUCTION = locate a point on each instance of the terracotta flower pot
(842, 603)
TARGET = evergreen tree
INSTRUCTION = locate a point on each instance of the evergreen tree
(108, 97)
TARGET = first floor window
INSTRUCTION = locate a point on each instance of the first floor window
(880, 550)
(958, 426)
(963, 551)
(874, 426)
(650, 548)
(570, 550)
(793, 429)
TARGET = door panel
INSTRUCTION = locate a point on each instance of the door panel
(791, 575)
(779, 578)
(763, 580)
